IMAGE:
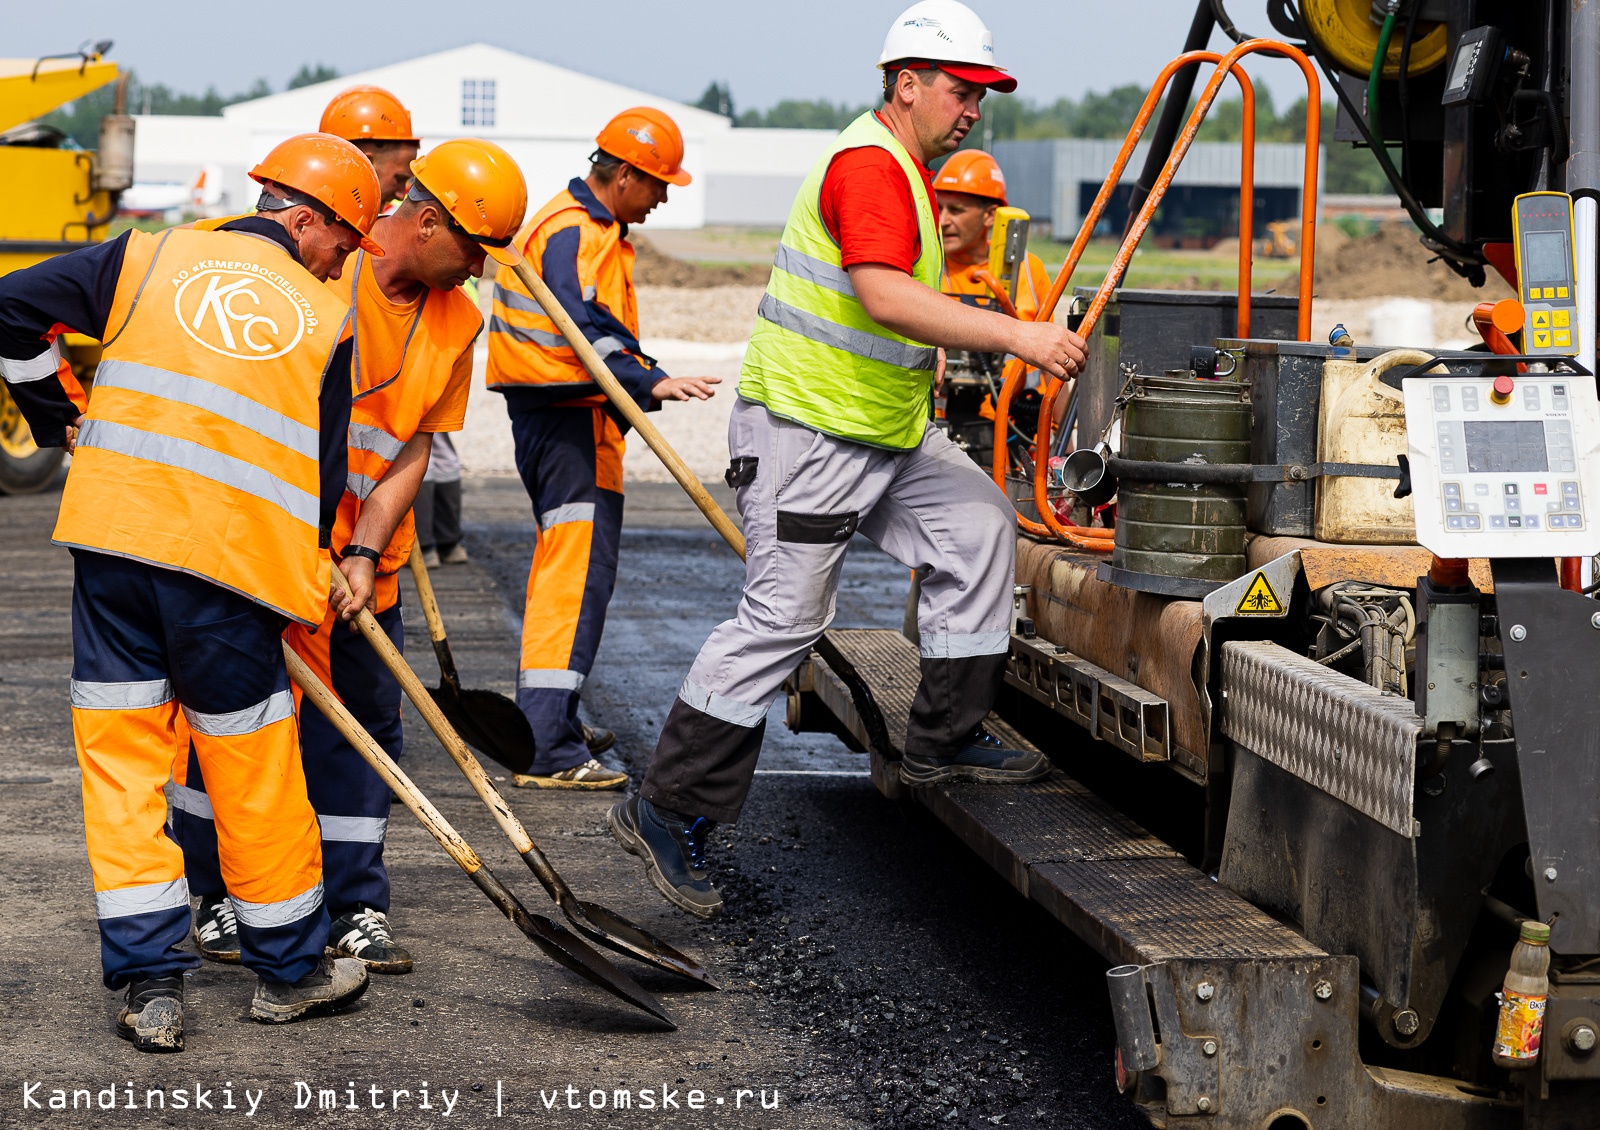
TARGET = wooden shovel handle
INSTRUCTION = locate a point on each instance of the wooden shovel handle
(438, 723)
(393, 776)
(430, 606)
(626, 405)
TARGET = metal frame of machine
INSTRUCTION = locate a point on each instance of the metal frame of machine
(1381, 760)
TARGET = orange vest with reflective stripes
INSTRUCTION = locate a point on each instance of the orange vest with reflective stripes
(200, 450)
(1032, 286)
(525, 348)
(405, 357)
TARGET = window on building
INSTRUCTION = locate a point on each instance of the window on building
(477, 102)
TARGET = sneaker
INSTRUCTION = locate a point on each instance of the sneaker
(590, 775)
(152, 1015)
(673, 849)
(216, 930)
(455, 555)
(334, 983)
(430, 558)
(598, 739)
(985, 758)
(365, 935)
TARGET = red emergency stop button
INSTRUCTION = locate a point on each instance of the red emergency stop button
(1503, 387)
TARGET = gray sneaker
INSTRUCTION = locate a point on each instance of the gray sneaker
(334, 983)
(152, 1015)
(365, 934)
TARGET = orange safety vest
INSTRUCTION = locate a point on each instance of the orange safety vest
(1032, 286)
(200, 451)
(525, 348)
(405, 360)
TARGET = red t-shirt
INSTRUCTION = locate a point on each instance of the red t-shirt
(867, 208)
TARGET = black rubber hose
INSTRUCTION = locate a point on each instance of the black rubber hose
(1406, 41)
(1173, 110)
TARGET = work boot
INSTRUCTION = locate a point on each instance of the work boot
(216, 930)
(365, 935)
(590, 775)
(455, 555)
(430, 558)
(598, 739)
(673, 848)
(334, 983)
(984, 758)
(152, 1017)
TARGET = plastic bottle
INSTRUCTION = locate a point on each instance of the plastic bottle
(1522, 1000)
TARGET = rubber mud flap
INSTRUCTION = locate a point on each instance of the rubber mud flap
(817, 529)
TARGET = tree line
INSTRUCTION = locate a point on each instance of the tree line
(1095, 115)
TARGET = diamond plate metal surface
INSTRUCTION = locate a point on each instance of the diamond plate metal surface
(1341, 735)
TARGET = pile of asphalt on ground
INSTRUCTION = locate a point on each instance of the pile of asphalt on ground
(653, 267)
(903, 965)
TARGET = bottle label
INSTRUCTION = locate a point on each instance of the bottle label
(1521, 1026)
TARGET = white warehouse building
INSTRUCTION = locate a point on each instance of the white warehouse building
(544, 115)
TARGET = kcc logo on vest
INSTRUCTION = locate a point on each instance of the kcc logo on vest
(240, 311)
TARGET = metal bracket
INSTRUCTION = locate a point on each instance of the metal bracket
(1111, 709)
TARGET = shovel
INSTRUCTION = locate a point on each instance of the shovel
(595, 922)
(860, 693)
(487, 720)
(554, 939)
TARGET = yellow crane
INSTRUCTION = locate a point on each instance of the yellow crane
(54, 198)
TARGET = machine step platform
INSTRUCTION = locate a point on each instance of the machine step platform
(1127, 894)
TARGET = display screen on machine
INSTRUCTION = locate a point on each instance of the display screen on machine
(1505, 480)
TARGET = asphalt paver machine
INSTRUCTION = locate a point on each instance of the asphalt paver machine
(1325, 609)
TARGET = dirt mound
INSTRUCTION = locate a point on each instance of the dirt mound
(655, 268)
(1390, 261)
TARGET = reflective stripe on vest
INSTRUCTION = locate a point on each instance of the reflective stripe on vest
(525, 347)
(201, 448)
(815, 355)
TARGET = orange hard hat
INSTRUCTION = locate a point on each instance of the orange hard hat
(481, 187)
(367, 113)
(974, 172)
(648, 140)
(330, 171)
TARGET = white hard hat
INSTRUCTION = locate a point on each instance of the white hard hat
(946, 32)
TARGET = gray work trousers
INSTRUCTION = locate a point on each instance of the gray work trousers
(803, 494)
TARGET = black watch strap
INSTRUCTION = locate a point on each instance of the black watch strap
(371, 555)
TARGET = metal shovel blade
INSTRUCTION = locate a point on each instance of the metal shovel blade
(608, 928)
(489, 722)
(568, 949)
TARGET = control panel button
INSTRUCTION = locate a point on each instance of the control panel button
(1452, 490)
(1454, 522)
(1509, 488)
(1472, 521)
(1497, 521)
(1441, 399)
(1530, 522)
(1563, 338)
(1570, 488)
(1469, 399)
(1561, 292)
(1530, 397)
(1569, 504)
(1483, 488)
(1540, 488)
(1514, 521)
(1561, 319)
(1541, 339)
(1540, 319)
(1452, 504)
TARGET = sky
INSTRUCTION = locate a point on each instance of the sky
(765, 51)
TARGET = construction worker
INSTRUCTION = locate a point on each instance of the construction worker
(414, 335)
(969, 187)
(831, 437)
(568, 440)
(376, 122)
(199, 509)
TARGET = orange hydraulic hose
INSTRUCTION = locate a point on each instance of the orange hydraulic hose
(997, 288)
(1012, 377)
(1308, 194)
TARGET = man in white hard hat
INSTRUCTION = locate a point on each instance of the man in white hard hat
(831, 437)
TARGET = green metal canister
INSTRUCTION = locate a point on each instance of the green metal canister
(1189, 531)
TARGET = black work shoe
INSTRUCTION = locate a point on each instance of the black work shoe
(365, 935)
(152, 1017)
(984, 758)
(673, 850)
(334, 983)
(216, 930)
(598, 739)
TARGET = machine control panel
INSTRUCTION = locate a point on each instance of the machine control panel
(1505, 468)
(1547, 273)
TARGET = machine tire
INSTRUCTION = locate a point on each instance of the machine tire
(24, 468)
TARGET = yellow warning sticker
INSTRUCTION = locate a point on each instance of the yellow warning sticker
(1259, 599)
